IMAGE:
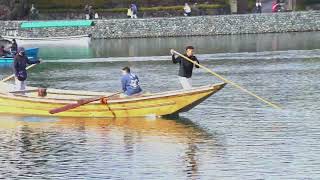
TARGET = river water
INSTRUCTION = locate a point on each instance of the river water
(229, 136)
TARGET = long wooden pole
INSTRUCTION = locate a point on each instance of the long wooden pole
(228, 81)
(13, 75)
(79, 103)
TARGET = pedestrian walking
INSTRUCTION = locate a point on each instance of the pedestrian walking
(187, 9)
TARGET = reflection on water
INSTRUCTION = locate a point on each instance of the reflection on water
(71, 147)
(206, 45)
(160, 46)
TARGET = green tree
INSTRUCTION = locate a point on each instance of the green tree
(17, 9)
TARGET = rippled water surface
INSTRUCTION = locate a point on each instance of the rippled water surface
(230, 136)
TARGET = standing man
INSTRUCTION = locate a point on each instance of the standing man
(259, 6)
(86, 12)
(14, 47)
(130, 82)
(134, 10)
(33, 12)
(19, 67)
(91, 13)
(186, 67)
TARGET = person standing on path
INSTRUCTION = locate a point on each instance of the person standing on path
(259, 6)
(134, 10)
(187, 10)
(186, 67)
(14, 47)
(91, 13)
(129, 13)
(86, 12)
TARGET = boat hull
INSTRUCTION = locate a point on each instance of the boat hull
(82, 40)
(159, 104)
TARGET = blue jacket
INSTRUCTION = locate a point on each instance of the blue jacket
(130, 84)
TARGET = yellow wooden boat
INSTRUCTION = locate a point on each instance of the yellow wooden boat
(157, 104)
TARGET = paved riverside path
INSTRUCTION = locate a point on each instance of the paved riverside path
(266, 6)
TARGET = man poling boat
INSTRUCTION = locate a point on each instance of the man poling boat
(185, 67)
(19, 66)
(226, 80)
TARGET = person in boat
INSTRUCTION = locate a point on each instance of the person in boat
(130, 82)
(3, 52)
(14, 47)
(19, 67)
(186, 67)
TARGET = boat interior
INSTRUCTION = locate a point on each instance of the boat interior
(67, 96)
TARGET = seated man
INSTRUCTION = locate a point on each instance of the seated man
(130, 82)
(3, 52)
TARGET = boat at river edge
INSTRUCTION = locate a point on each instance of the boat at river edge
(32, 54)
(70, 40)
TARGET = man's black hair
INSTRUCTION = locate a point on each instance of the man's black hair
(127, 69)
(189, 47)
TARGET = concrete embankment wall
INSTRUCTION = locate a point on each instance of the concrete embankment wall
(181, 26)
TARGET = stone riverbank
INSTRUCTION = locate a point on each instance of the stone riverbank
(180, 26)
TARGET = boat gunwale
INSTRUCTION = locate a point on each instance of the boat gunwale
(176, 93)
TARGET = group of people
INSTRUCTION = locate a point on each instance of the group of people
(129, 81)
(11, 52)
(277, 6)
(132, 11)
(89, 13)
